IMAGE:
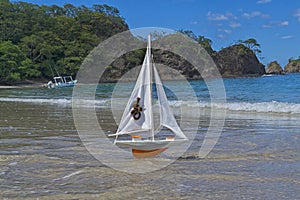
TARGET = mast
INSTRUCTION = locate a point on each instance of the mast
(151, 81)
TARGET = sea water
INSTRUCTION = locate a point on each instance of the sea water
(256, 157)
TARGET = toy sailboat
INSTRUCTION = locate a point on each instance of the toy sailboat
(138, 120)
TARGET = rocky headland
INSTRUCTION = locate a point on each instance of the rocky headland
(234, 61)
(238, 61)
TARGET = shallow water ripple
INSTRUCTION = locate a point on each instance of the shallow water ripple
(41, 156)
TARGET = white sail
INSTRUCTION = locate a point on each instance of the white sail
(142, 90)
(167, 118)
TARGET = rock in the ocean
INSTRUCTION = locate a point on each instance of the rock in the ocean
(293, 66)
(274, 68)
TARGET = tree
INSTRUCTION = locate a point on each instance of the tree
(14, 65)
(51, 37)
(203, 41)
(70, 10)
(188, 33)
(106, 9)
(206, 44)
(252, 44)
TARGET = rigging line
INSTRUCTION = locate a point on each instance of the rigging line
(151, 81)
(51, 70)
(56, 71)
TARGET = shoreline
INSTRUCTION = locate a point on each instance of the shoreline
(21, 86)
(30, 85)
(42, 83)
(39, 83)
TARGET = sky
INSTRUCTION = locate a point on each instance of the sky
(275, 24)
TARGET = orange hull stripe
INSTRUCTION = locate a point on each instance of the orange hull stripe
(147, 153)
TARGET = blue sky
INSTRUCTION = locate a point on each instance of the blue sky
(275, 24)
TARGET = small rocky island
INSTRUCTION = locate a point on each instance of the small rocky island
(293, 66)
(274, 68)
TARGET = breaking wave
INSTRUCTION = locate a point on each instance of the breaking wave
(38, 101)
(60, 102)
(259, 107)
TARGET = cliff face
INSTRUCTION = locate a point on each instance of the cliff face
(238, 60)
(292, 67)
(233, 61)
(274, 68)
(177, 63)
(168, 64)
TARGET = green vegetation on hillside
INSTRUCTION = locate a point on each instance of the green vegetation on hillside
(203, 41)
(252, 44)
(39, 41)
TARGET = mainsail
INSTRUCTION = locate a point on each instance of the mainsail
(142, 95)
(142, 89)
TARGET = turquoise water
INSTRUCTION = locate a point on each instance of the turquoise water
(264, 89)
(256, 157)
(279, 94)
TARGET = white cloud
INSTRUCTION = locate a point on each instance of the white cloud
(216, 16)
(283, 23)
(297, 14)
(221, 36)
(286, 37)
(227, 31)
(230, 15)
(263, 1)
(275, 23)
(220, 17)
(255, 14)
(235, 24)
(266, 26)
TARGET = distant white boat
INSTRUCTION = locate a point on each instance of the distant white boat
(137, 119)
(267, 75)
(61, 81)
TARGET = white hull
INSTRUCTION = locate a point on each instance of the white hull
(148, 144)
(71, 84)
(61, 82)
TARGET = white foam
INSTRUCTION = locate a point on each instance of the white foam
(263, 107)
(39, 101)
(61, 102)
(260, 107)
